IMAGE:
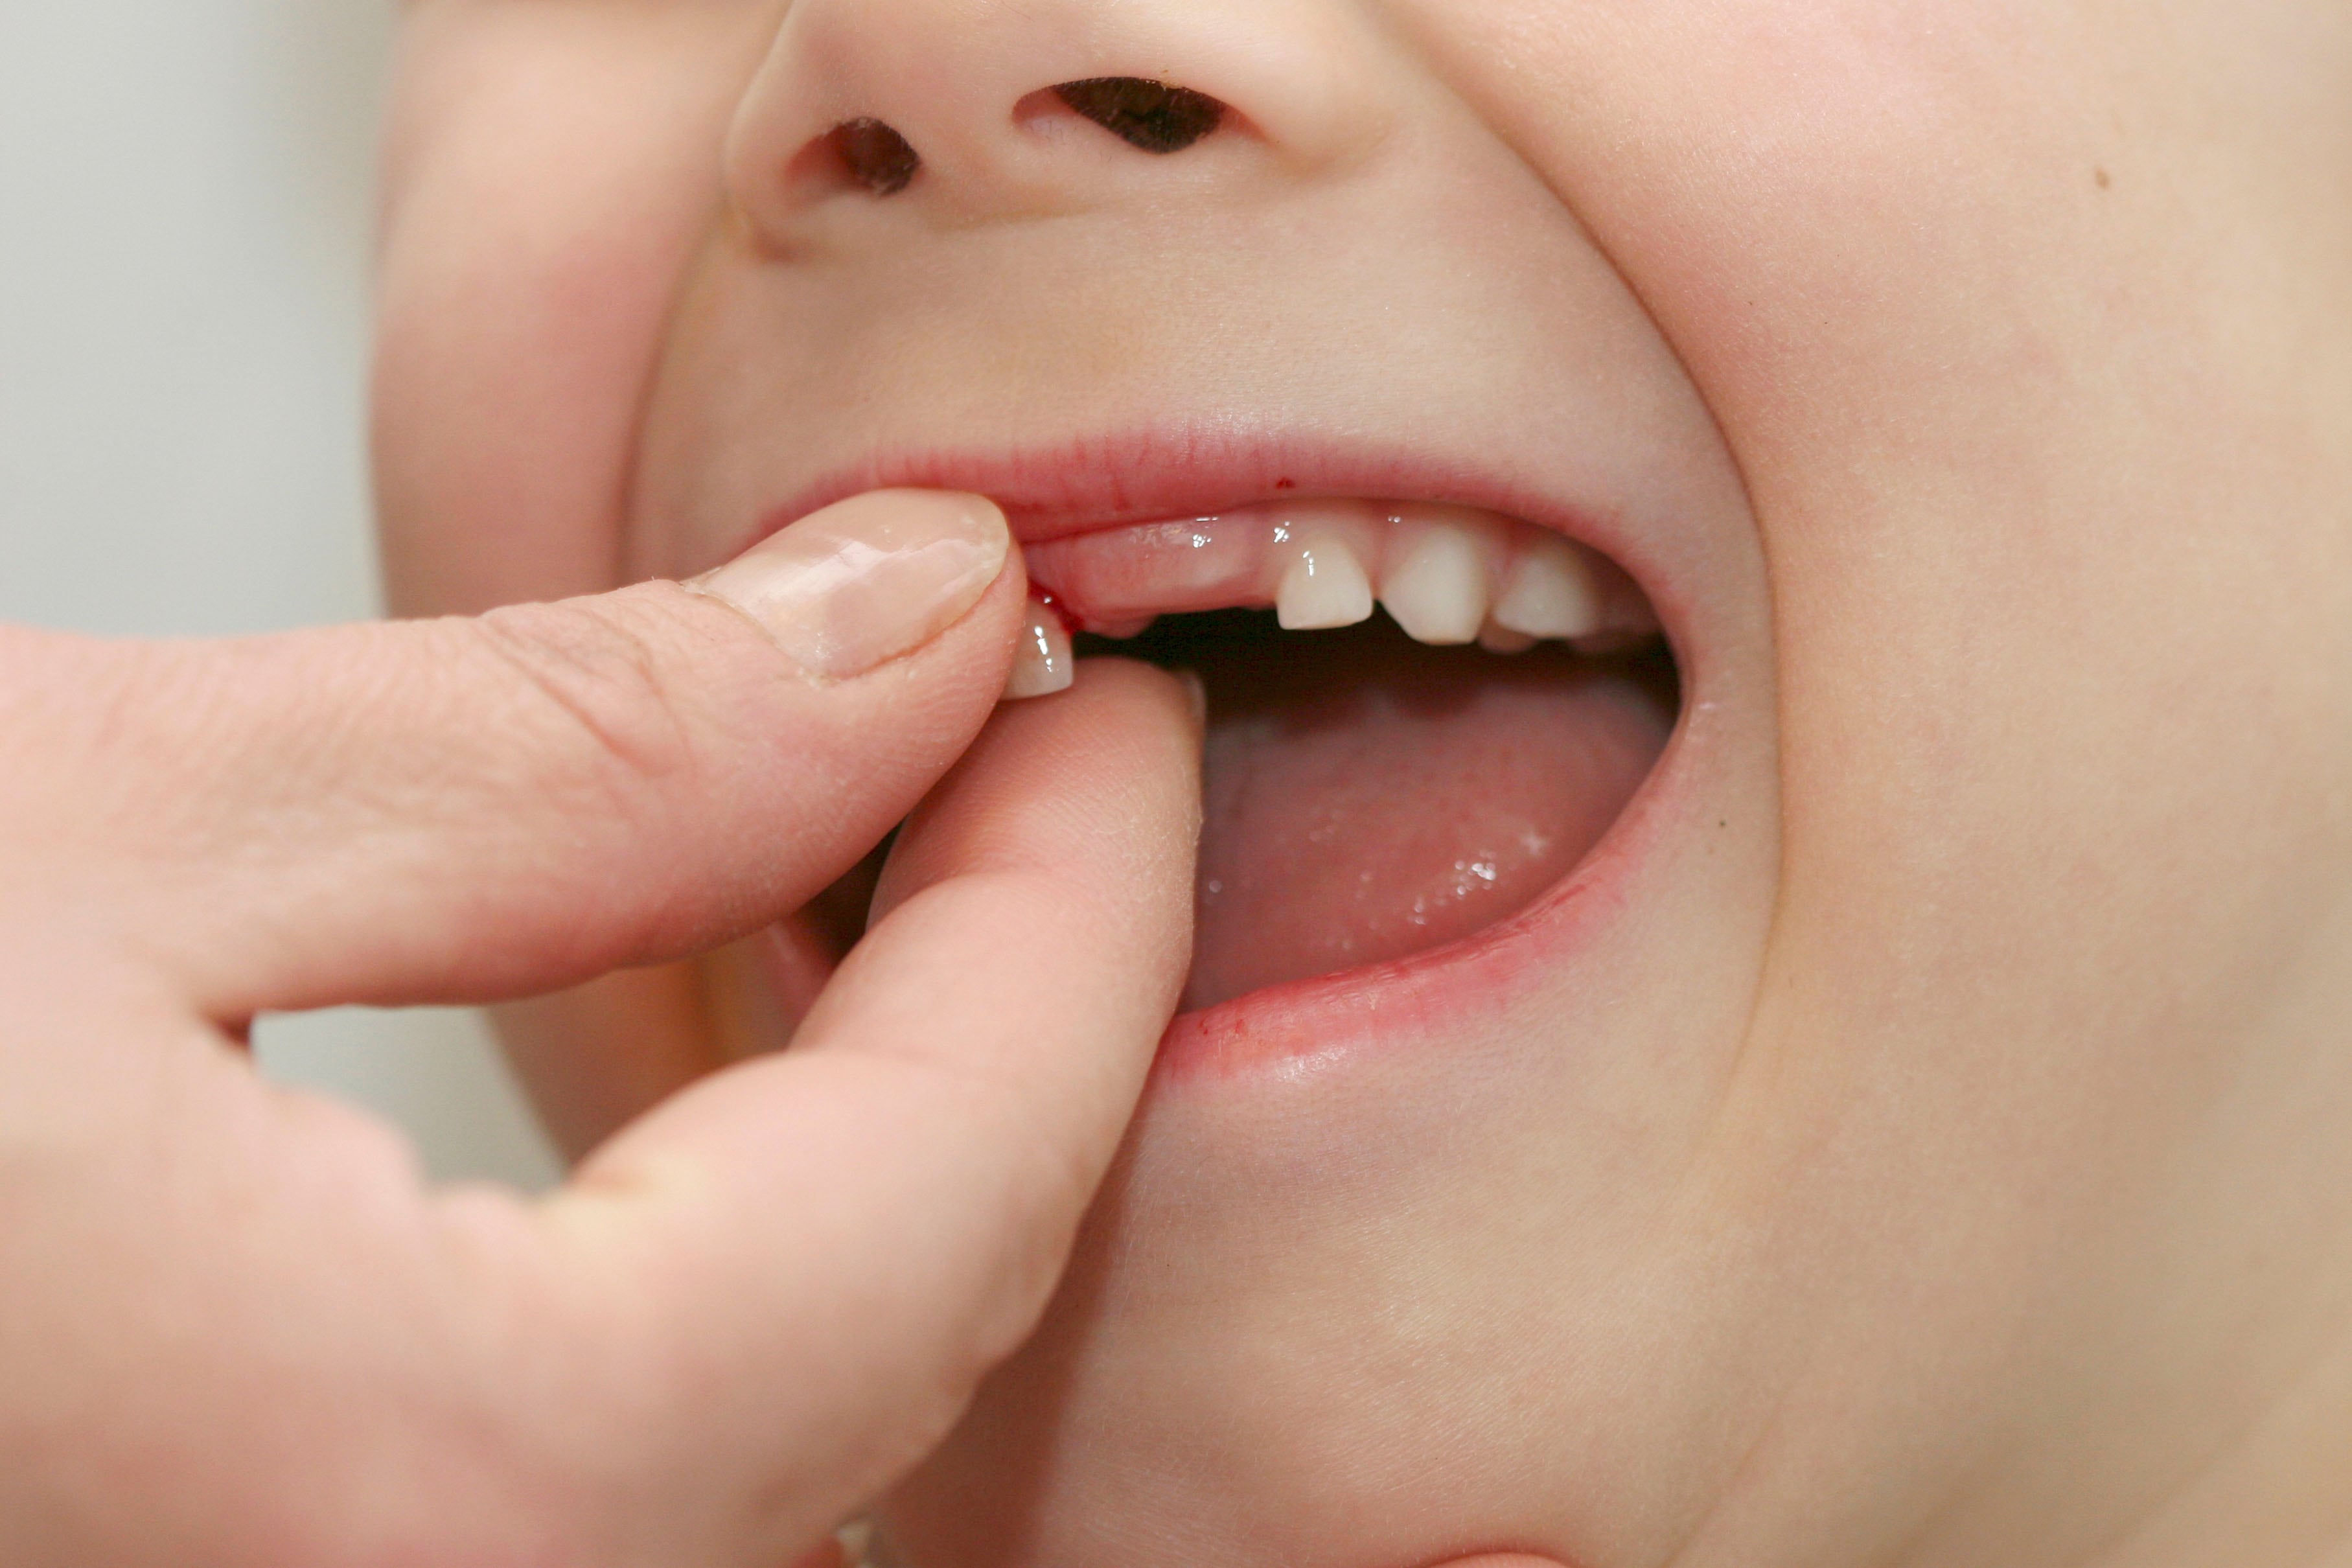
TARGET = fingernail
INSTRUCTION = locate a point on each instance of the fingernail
(866, 579)
(1042, 664)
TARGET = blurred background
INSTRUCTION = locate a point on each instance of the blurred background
(185, 195)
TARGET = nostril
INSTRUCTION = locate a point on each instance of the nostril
(874, 155)
(1151, 115)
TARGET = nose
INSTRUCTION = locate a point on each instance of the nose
(970, 111)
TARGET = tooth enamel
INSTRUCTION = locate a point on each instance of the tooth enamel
(1497, 638)
(1551, 592)
(1323, 583)
(1436, 584)
(1043, 665)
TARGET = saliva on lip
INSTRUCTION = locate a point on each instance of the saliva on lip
(1447, 575)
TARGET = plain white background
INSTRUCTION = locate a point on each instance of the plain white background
(185, 192)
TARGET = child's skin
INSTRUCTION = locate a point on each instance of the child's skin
(1943, 1159)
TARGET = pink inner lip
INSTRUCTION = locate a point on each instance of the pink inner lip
(1101, 483)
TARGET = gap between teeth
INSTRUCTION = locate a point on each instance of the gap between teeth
(1447, 575)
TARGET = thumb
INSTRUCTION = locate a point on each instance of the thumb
(470, 809)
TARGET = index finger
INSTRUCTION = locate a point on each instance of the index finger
(476, 809)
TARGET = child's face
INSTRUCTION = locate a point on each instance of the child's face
(1866, 1144)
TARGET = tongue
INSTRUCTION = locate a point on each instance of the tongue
(1368, 797)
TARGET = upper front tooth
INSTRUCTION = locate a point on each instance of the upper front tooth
(1551, 592)
(1436, 582)
(1323, 583)
(1042, 664)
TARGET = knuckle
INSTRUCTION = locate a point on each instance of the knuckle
(589, 676)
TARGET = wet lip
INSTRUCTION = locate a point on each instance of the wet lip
(1106, 482)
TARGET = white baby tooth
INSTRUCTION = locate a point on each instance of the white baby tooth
(1497, 638)
(1042, 665)
(1322, 584)
(1551, 591)
(1436, 582)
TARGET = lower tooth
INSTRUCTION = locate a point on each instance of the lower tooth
(1043, 664)
(1323, 587)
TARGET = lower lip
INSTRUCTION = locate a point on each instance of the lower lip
(1305, 1025)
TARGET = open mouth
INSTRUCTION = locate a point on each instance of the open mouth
(1449, 713)
(1421, 717)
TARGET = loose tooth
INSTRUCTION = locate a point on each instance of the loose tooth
(1043, 665)
(1324, 585)
(1436, 586)
(1551, 592)
(1497, 638)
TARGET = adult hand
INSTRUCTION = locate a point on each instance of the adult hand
(237, 1328)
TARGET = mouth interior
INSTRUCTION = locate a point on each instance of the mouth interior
(1398, 780)
(1368, 797)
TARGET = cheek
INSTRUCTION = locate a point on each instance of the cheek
(1964, 286)
(1993, 306)
(551, 169)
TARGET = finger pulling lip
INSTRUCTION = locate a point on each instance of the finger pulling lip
(1086, 486)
